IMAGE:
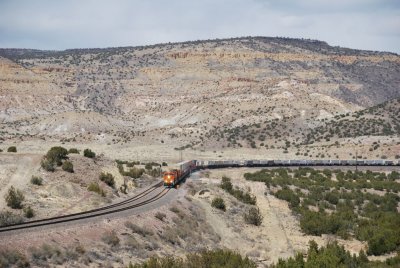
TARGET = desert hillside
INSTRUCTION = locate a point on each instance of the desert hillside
(242, 94)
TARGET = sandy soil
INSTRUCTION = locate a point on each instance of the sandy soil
(61, 192)
(147, 149)
(16, 170)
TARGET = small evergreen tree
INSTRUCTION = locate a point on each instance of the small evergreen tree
(253, 216)
(56, 154)
(226, 184)
(89, 153)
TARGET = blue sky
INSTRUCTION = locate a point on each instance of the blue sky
(52, 24)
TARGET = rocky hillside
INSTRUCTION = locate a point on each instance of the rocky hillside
(195, 94)
(379, 120)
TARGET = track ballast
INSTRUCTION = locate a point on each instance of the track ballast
(111, 209)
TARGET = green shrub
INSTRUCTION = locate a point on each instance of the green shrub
(47, 165)
(56, 154)
(9, 218)
(332, 198)
(12, 149)
(29, 213)
(89, 153)
(154, 172)
(73, 151)
(12, 258)
(381, 242)
(313, 222)
(36, 180)
(218, 203)
(317, 223)
(394, 175)
(95, 187)
(332, 255)
(68, 166)
(14, 198)
(226, 184)
(253, 216)
(108, 178)
(287, 194)
(247, 198)
(394, 261)
(134, 172)
(206, 258)
(54, 157)
(164, 164)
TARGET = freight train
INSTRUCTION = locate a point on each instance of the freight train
(178, 172)
(181, 170)
(277, 163)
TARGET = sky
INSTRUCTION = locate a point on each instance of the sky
(57, 24)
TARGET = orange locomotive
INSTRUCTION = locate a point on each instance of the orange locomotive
(173, 176)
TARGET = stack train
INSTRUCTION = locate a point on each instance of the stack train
(277, 163)
(180, 171)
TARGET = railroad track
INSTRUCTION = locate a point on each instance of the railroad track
(131, 203)
(114, 208)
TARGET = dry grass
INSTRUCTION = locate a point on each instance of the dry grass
(143, 231)
(110, 238)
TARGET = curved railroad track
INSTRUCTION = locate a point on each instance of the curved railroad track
(150, 195)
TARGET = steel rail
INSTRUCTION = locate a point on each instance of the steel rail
(118, 207)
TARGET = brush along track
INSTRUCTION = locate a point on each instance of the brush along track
(114, 208)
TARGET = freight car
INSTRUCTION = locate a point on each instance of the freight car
(178, 172)
(277, 163)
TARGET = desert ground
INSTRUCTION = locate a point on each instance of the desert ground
(189, 221)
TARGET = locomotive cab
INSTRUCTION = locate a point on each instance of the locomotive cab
(178, 172)
(169, 178)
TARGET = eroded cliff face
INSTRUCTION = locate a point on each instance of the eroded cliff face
(194, 87)
(24, 92)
